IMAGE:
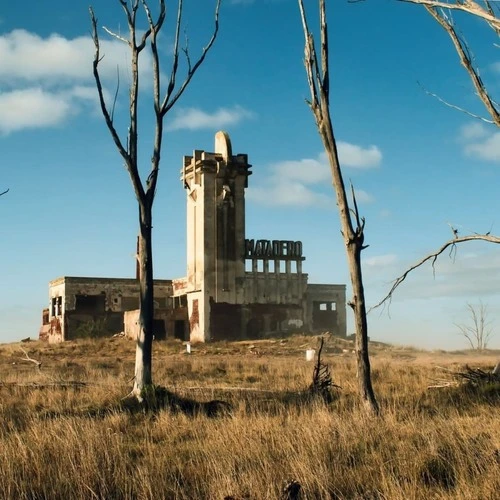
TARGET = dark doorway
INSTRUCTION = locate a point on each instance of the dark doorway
(254, 328)
(180, 329)
(325, 316)
(90, 304)
(159, 329)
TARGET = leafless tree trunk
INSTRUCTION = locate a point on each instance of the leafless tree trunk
(478, 332)
(145, 192)
(351, 222)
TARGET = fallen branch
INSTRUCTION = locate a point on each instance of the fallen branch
(31, 360)
(470, 376)
(45, 385)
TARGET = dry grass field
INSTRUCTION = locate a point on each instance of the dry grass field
(81, 441)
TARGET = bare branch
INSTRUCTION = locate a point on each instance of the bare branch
(170, 100)
(127, 154)
(465, 60)
(4, 192)
(175, 62)
(462, 5)
(458, 108)
(310, 60)
(116, 92)
(115, 35)
(97, 77)
(31, 360)
(432, 257)
(437, 9)
(154, 28)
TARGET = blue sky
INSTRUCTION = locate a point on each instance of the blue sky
(416, 164)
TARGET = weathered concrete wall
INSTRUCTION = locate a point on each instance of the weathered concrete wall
(215, 185)
(273, 288)
(92, 307)
(161, 323)
(326, 308)
(253, 321)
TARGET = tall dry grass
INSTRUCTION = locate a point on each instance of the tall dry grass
(79, 442)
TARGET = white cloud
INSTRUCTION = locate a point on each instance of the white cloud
(351, 155)
(296, 182)
(363, 197)
(473, 130)
(35, 107)
(45, 80)
(288, 193)
(194, 118)
(31, 108)
(314, 170)
(380, 260)
(480, 141)
(307, 171)
(487, 149)
(28, 57)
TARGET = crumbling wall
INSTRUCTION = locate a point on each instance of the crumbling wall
(274, 288)
(326, 308)
(161, 322)
(253, 321)
(94, 307)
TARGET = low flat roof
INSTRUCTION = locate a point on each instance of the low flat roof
(90, 280)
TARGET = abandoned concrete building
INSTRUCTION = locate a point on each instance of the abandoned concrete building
(235, 287)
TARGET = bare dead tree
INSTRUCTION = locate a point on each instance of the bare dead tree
(128, 149)
(478, 332)
(352, 224)
(322, 383)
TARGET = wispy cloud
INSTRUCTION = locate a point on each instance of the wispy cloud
(488, 149)
(480, 141)
(288, 193)
(31, 108)
(195, 118)
(380, 260)
(352, 155)
(298, 182)
(36, 107)
(474, 130)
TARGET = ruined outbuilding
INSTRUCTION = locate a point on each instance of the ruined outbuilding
(235, 287)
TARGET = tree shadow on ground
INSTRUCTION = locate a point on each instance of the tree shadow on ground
(158, 398)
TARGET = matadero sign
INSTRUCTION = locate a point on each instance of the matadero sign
(275, 249)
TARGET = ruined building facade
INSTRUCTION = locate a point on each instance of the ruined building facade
(235, 288)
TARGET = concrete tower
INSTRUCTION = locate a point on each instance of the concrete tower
(215, 184)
